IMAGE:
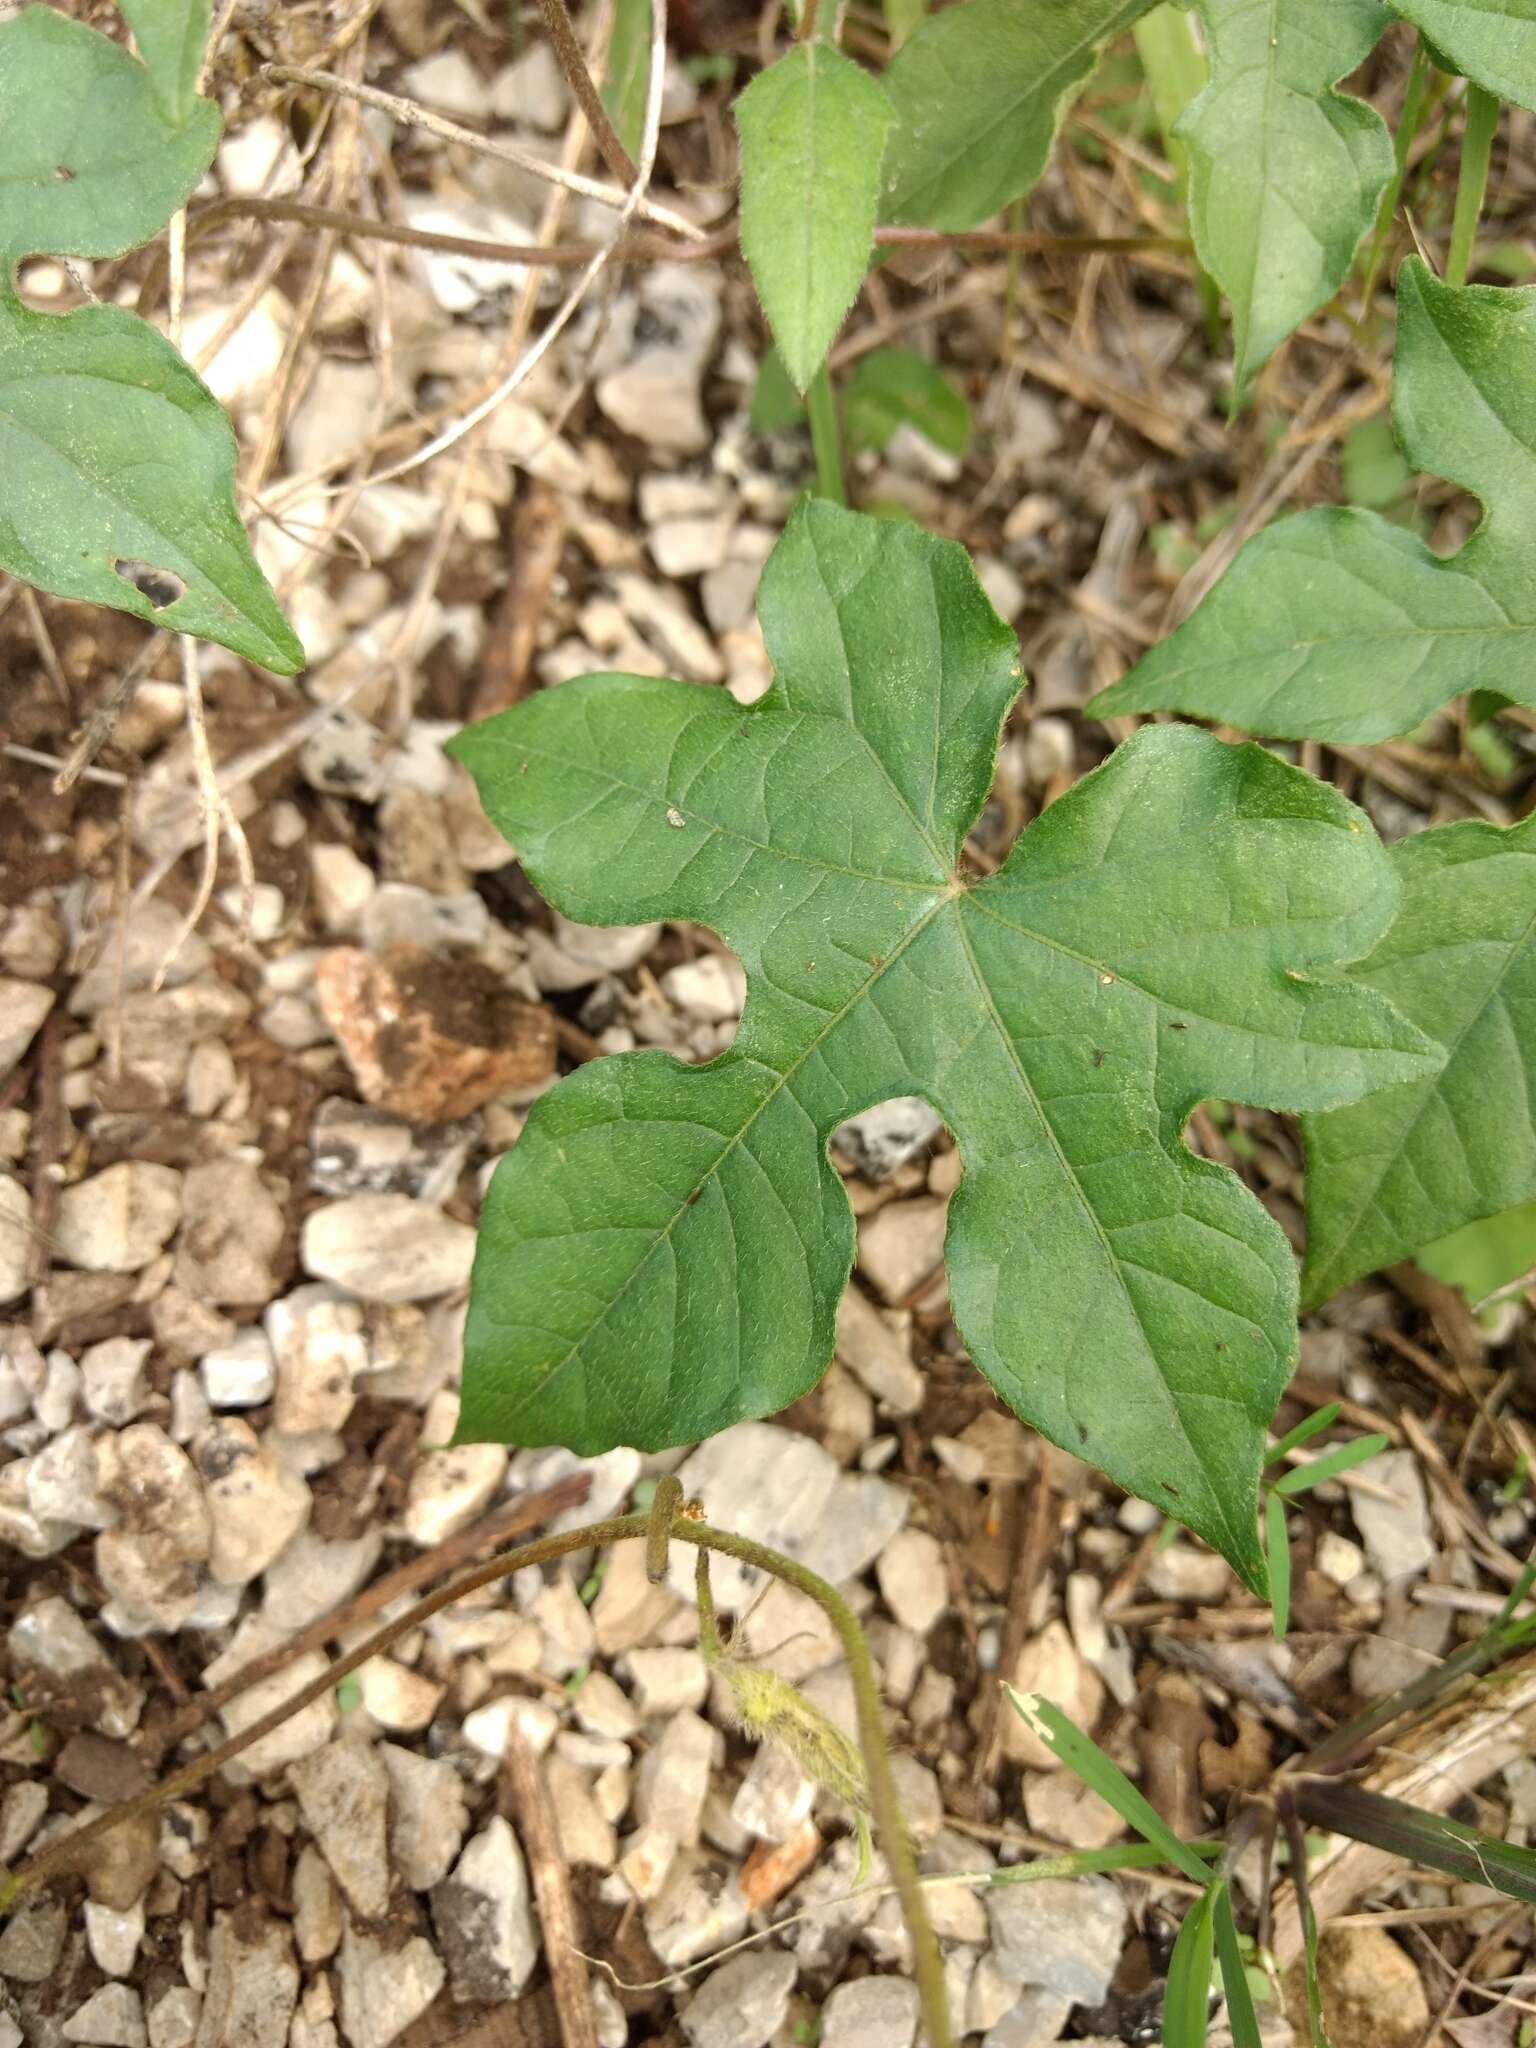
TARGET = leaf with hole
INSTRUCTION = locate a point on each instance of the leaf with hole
(979, 92)
(116, 464)
(1388, 1177)
(1490, 41)
(895, 387)
(1339, 625)
(171, 35)
(813, 130)
(663, 1252)
(1285, 173)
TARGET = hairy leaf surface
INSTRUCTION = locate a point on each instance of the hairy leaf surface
(1340, 625)
(116, 463)
(1285, 173)
(979, 92)
(813, 129)
(1490, 41)
(663, 1252)
(171, 35)
(1392, 1175)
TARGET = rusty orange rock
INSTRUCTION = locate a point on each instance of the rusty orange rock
(430, 1038)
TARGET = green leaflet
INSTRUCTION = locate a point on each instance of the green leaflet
(1415, 1163)
(1339, 625)
(893, 387)
(89, 165)
(1491, 41)
(171, 35)
(116, 464)
(1285, 173)
(813, 130)
(979, 92)
(662, 1253)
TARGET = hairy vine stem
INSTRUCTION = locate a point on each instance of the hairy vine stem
(63, 1853)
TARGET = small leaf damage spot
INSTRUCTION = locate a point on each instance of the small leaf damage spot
(161, 586)
(674, 818)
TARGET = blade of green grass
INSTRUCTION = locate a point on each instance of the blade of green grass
(1241, 2017)
(1313, 1425)
(1342, 1458)
(1279, 1547)
(1187, 2000)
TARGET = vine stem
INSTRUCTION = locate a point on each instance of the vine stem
(826, 438)
(1472, 183)
(574, 64)
(63, 1853)
(1415, 100)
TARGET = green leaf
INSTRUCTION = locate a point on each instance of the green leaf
(1285, 173)
(813, 129)
(1100, 1773)
(1187, 2000)
(1490, 41)
(1338, 625)
(116, 464)
(1241, 2017)
(629, 67)
(901, 17)
(893, 387)
(1420, 1160)
(1485, 1256)
(171, 35)
(775, 401)
(979, 92)
(89, 164)
(1430, 1839)
(663, 1252)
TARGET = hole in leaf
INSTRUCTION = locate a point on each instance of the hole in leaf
(161, 586)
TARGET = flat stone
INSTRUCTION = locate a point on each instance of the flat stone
(23, 1006)
(397, 1698)
(231, 1231)
(431, 1039)
(912, 1578)
(32, 1939)
(112, 1379)
(666, 1681)
(774, 1797)
(15, 1238)
(874, 2012)
(1034, 2020)
(313, 1577)
(318, 1917)
(384, 1988)
(173, 2017)
(862, 1516)
(576, 955)
(696, 1911)
(345, 758)
(1050, 1664)
(388, 1248)
(902, 1244)
(711, 988)
(673, 1779)
(120, 1219)
(399, 915)
(654, 393)
(253, 1984)
(448, 1489)
(877, 1356)
(64, 1481)
(55, 1658)
(882, 1139)
(742, 2004)
(484, 1918)
(302, 1732)
(355, 1149)
(770, 1484)
(1063, 1934)
(319, 1348)
(112, 2017)
(340, 885)
(586, 1834)
(255, 1504)
(343, 1794)
(1396, 1532)
(113, 1934)
(532, 90)
(428, 1815)
(1373, 1996)
(151, 1558)
(240, 1374)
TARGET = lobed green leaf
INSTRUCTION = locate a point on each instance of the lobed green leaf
(813, 129)
(1285, 173)
(1338, 624)
(1417, 1161)
(979, 92)
(663, 1252)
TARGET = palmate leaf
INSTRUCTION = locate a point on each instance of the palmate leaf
(813, 130)
(116, 463)
(1338, 624)
(1387, 1177)
(662, 1253)
(979, 92)
(1492, 42)
(1285, 173)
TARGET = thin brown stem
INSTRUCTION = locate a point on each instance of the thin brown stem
(573, 63)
